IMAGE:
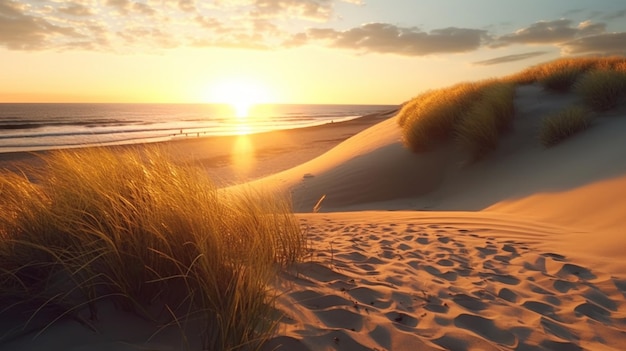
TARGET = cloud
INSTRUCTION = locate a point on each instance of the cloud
(549, 32)
(310, 9)
(388, 38)
(187, 5)
(20, 31)
(78, 10)
(615, 15)
(120, 5)
(606, 44)
(129, 25)
(510, 58)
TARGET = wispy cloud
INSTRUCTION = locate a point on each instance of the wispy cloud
(21, 31)
(604, 44)
(133, 25)
(510, 58)
(388, 38)
(615, 15)
(549, 32)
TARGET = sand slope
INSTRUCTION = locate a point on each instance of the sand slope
(579, 184)
(530, 258)
(443, 281)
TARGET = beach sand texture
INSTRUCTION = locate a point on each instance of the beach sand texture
(523, 250)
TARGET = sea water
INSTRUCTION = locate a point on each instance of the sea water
(42, 126)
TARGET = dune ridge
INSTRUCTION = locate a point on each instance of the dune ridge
(519, 251)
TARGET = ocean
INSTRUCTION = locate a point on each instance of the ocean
(44, 126)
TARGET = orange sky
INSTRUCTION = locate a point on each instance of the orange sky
(284, 51)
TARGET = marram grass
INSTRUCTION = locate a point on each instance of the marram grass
(473, 113)
(137, 229)
(476, 115)
(562, 125)
(429, 119)
(562, 74)
(602, 90)
(480, 129)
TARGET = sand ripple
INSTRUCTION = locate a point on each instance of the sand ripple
(407, 285)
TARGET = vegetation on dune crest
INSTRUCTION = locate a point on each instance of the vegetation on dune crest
(562, 74)
(560, 126)
(139, 230)
(429, 119)
(479, 131)
(477, 114)
(474, 113)
(602, 90)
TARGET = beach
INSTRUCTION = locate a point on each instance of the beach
(520, 251)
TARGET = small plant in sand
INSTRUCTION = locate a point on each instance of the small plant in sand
(602, 90)
(136, 229)
(555, 128)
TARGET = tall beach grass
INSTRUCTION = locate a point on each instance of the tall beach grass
(429, 119)
(480, 130)
(563, 124)
(476, 115)
(602, 90)
(137, 229)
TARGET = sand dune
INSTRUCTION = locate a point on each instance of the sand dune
(529, 259)
(520, 251)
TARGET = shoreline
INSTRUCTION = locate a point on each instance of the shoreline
(265, 153)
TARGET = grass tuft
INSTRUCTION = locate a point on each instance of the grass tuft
(602, 90)
(560, 126)
(137, 229)
(476, 114)
(479, 131)
(429, 119)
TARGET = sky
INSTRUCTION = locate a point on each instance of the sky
(285, 51)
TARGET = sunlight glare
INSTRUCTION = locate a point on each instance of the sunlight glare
(241, 94)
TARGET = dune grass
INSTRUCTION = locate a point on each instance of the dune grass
(475, 114)
(560, 126)
(478, 114)
(137, 229)
(480, 130)
(602, 90)
(429, 119)
(562, 74)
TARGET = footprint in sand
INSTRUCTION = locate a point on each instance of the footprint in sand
(542, 308)
(599, 298)
(367, 296)
(507, 295)
(486, 328)
(469, 302)
(563, 286)
(571, 270)
(594, 312)
(341, 318)
(402, 319)
(314, 300)
(557, 329)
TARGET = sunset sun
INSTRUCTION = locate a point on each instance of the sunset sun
(240, 94)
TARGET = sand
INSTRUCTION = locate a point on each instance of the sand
(520, 251)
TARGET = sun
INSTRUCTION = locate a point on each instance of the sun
(240, 93)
